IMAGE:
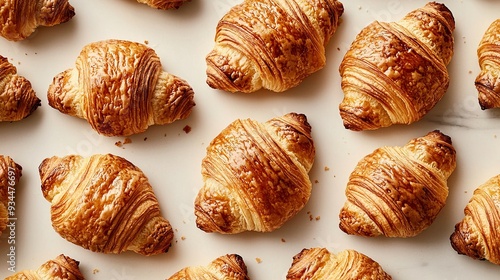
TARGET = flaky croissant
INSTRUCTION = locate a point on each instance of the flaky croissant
(319, 264)
(271, 44)
(477, 235)
(20, 18)
(163, 4)
(10, 173)
(394, 73)
(17, 97)
(398, 191)
(227, 267)
(256, 175)
(62, 268)
(105, 204)
(488, 80)
(119, 87)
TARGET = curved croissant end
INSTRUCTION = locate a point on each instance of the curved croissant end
(10, 173)
(228, 267)
(394, 73)
(256, 175)
(163, 4)
(477, 235)
(20, 18)
(488, 80)
(105, 204)
(319, 263)
(120, 89)
(271, 44)
(62, 267)
(399, 191)
(17, 97)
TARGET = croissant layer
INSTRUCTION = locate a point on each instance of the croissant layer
(227, 267)
(399, 191)
(62, 267)
(10, 173)
(488, 80)
(395, 72)
(105, 204)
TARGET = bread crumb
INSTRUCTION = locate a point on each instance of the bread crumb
(258, 260)
(145, 138)
(183, 238)
(316, 181)
(283, 240)
(95, 271)
(127, 141)
(119, 144)
(317, 218)
(146, 42)
(187, 129)
(327, 168)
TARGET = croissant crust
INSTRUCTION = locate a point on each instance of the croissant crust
(227, 267)
(10, 173)
(488, 80)
(163, 4)
(62, 267)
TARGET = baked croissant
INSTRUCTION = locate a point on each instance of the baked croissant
(105, 204)
(488, 80)
(17, 97)
(255, 175)
(163, 4)
(62, 267)
(398, 191)
(10, 173)
(271, 44)
(227, 267)
(120, 89)
(20, 18)
(319, 263)
(394, 73)
(477, 234)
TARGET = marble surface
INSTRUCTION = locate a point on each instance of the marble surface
(171, 158)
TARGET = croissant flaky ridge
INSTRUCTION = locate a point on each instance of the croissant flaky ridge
(120, 88)
(62, 267)
(256, 175)
(20, 18)
(319, 263)
(104, 203)
(163, 4)
(477, 234)
(395, 73)
(488, 80)
(10, 173)
(398, 191)
(271, 44)
(18, 100)
(227, 267)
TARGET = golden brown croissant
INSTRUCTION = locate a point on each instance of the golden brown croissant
(477, 235)
(488, 80)
(120, 89)
(319, 263)
(20, 18)
(227, 267)
(398, 191)
(105, 204)
(271, 44)
(17, 97)
(10, 173)
(163, 4)
(62, 267)
(256, 175)
(394, 73)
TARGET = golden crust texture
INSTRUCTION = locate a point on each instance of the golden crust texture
(488, 80)
(62, 267)
(319, 264)
(163, 4)
(17, 97)
(20, 18)
(10, 173)
(104, 203)
(398, 191)
(394, 73)
(227, 267)
(477, 235)
(119, 87)
(271, 44)
(256, 175)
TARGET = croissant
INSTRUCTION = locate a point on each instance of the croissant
(271, 44)
(398, 191)
(105, 204)
(120, 89)
(477, 234)
(10, 173)
(227, 267)
(319, 263)
(62, 267)
(488, 80)
(255, 175)
(163, 4)
(20, 18)
(394, 73)
(17, 97)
